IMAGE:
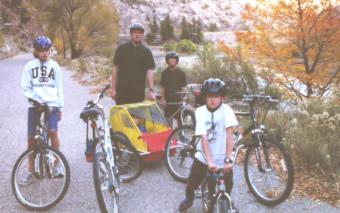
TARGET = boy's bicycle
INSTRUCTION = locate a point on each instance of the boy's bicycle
(268, 167)
(214, 196)
(111, 158)
(41, 175)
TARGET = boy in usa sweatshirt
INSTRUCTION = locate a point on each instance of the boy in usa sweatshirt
(42, 82)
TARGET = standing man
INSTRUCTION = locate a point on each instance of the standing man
(132, 64)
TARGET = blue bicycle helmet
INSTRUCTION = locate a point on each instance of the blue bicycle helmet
(171, 54)
(136, 26)
(213, 86)
(42, 43)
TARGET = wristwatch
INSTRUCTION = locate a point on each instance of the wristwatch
(151, 90)
(228, 160)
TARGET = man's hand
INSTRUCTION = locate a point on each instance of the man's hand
(212, 166)
(227, 167)
(113, 93)
(152, 95)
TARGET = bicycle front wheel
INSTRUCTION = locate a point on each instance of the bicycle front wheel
(105, 184)
(210, 203)
(40, 178)
(269, 173)
(180, 151)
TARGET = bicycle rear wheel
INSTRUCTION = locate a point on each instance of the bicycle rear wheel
(104, 184)
(40, 189)
(271, 181)
(180, 151)
(128, 160)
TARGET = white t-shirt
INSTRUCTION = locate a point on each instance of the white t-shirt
(214, 126)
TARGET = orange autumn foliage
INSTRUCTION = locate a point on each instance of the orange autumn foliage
(298, 40)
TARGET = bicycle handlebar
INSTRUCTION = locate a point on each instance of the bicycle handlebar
(259, 98)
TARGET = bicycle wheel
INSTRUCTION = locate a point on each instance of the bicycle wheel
(270, 181)
(209, 202)
(127, 158)
(41, 188)
(188, 117)
(180, 151)
(105, 184)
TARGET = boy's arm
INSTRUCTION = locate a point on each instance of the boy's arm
(60, 88)
(26, 84)
(229, 141)
(149, 79)
(206, 152)
(162, 95)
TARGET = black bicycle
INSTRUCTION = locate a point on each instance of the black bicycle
(268, 168)
(184, 115)
(41, 175)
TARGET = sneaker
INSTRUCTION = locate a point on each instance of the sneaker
(184, 205)
(234, 208)
(58, 171)
(27, 179)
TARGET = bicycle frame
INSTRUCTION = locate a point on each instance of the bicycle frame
(104, 141)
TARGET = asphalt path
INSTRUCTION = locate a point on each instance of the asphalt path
(153, 191)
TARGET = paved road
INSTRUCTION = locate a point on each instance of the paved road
(154, 191)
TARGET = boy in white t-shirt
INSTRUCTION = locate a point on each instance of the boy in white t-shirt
(214, 125)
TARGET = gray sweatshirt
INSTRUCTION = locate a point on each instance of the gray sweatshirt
(42, 82)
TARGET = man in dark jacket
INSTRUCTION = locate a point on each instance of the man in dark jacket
(132, 65)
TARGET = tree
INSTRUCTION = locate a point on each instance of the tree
(85, 24)
(184, 29)
(167, 30)
(154, 28)
(298, 41)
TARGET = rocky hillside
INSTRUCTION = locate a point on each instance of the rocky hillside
(224, 13)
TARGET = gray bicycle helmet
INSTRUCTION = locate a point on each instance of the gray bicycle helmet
(213, 86)
(136, 26)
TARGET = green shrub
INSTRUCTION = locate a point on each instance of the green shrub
(311, 134)
(186, 46)
(170, 46)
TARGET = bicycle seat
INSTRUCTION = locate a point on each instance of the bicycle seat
(89, 113)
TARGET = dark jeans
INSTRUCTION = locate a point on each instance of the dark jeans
(129, 95)
(198, 173)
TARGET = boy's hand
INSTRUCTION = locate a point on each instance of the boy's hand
(162, 101)
(227, 167)
(59, 116)
(212, 166)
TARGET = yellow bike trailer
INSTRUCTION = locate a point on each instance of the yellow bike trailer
(144, 125)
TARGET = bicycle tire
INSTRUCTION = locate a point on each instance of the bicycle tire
(15, 186)
(188, 117)
(182, 153)
(267, 198)
(99, 158)
(125, 147)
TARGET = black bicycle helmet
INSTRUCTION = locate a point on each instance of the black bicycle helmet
(42, 43)
(213, 86)
(136, 26)
(171, 54)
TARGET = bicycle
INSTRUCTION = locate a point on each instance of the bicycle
(110, 155)
(43, 187)
(268, 159)
(184, 115)
(214, 196)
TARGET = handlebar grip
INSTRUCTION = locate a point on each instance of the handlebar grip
(104, 90)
